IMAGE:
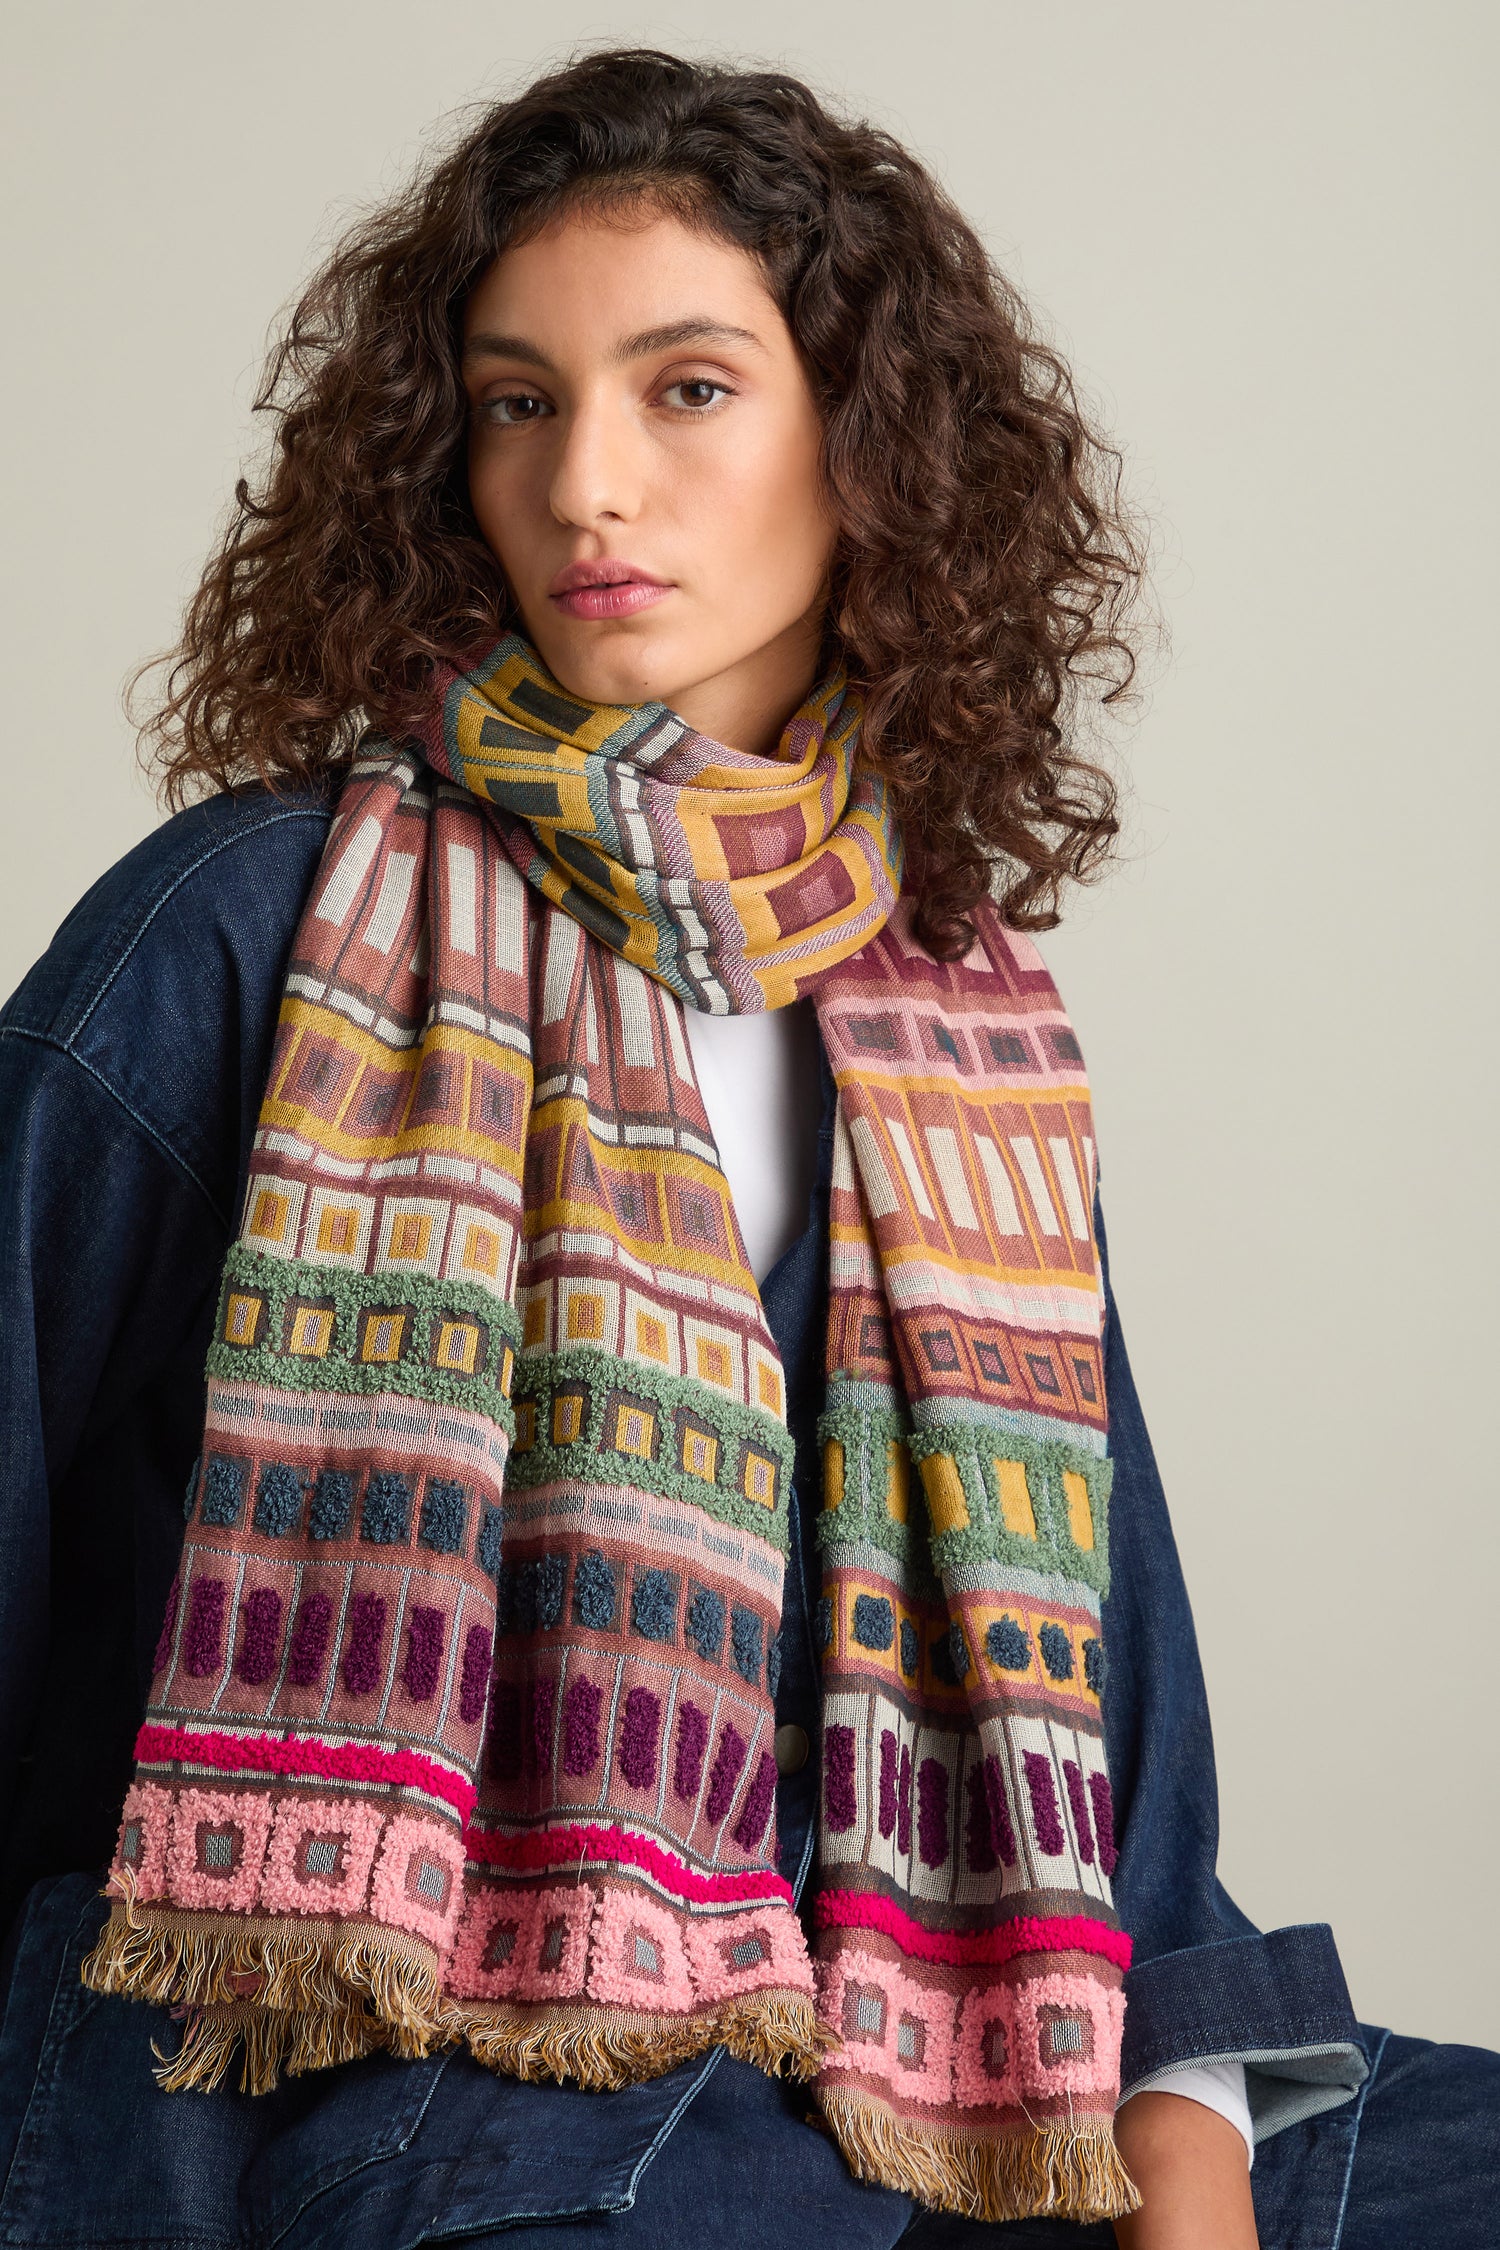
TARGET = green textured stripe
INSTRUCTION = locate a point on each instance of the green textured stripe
(866, 1434)
(964, 1459)
(575, 1408)
(337, 1317)
(1046, 1461)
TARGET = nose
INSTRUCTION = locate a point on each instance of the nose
(597, 472)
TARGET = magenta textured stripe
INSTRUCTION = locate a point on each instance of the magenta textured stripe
(1053, 1933)
(567, 1847)
(329, 1761)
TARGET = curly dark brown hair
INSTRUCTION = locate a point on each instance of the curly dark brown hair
(986, 573)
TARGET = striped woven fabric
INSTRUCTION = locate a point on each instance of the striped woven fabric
(461, 1723)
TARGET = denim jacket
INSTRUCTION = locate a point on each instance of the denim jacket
(132, 1061)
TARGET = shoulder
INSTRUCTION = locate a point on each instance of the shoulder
(163, 984)
(234, 870)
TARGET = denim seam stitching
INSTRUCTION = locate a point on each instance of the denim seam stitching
(1359, 2117)
(669, 2124)
(143, 1124)
(270, 819)
(327, 2178)
(1288, 2051)
(44, 2050)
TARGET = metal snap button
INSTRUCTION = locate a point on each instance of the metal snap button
(791, 1747)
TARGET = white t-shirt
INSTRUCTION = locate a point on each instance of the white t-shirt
(760, 1084)
(758, 1076)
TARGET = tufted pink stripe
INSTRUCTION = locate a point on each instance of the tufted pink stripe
(567, 1847)
(1053, 1933)
(329, 1761)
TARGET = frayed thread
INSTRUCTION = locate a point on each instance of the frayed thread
(271, 2043)
(298, 1996)
(1055, 2172)
(776, 2032)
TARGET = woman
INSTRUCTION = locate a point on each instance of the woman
(633, 1681)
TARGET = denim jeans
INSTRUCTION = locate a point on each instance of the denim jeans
(398, 2154)
(1413, 2163)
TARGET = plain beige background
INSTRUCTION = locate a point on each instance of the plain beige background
(1262, 233)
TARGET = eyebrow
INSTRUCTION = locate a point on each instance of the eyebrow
(672, 336)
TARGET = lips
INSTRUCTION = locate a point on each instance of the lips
(609, 587)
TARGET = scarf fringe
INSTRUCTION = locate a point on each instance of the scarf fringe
(324, 2001)
(1057, 2172)
(274, 2043)
(322, 1998)
(777, 2032)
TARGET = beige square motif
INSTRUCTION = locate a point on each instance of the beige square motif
(588, 1312)
(480, 1249)
(651, 1333)
(766, 1381)
(337, 1229)
(714, 1356)
(536, 1318)
(413, 1230)
(273, 1209)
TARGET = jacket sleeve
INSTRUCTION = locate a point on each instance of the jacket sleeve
(1205, 1984)
(131, 1064)
(108, 1257)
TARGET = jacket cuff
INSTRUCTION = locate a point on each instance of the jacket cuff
(1276, 2003)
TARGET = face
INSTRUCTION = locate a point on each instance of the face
(644, 462)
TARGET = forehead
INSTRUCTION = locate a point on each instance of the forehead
(608, 274)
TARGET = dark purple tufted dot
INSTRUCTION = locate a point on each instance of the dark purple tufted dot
(260, 1636)
(692, 1743)
(163, 1655)
(932, 1812)
(309, 1649)
(839, 1802)
(979, 1836)
(728, 1759)
(886, 1798)
(203, 1634)
(362, 1643)
(1046, 1817)
(474, 1679)
(1079, 1806)
(426, 1632)
(751, 1825)
(1001, 1829)
(1104, 1821)
(640, 1729)
(581, 1707)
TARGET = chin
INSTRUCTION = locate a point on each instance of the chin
(610, 663)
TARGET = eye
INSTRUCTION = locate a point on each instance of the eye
(696, 392)
(513, 408)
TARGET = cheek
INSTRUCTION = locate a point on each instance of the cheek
(498, 497)
(765, 514)
(483, 498)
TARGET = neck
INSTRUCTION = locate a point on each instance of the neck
(747, 707)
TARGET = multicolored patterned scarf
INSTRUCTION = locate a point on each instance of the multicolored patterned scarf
(462, 1718)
